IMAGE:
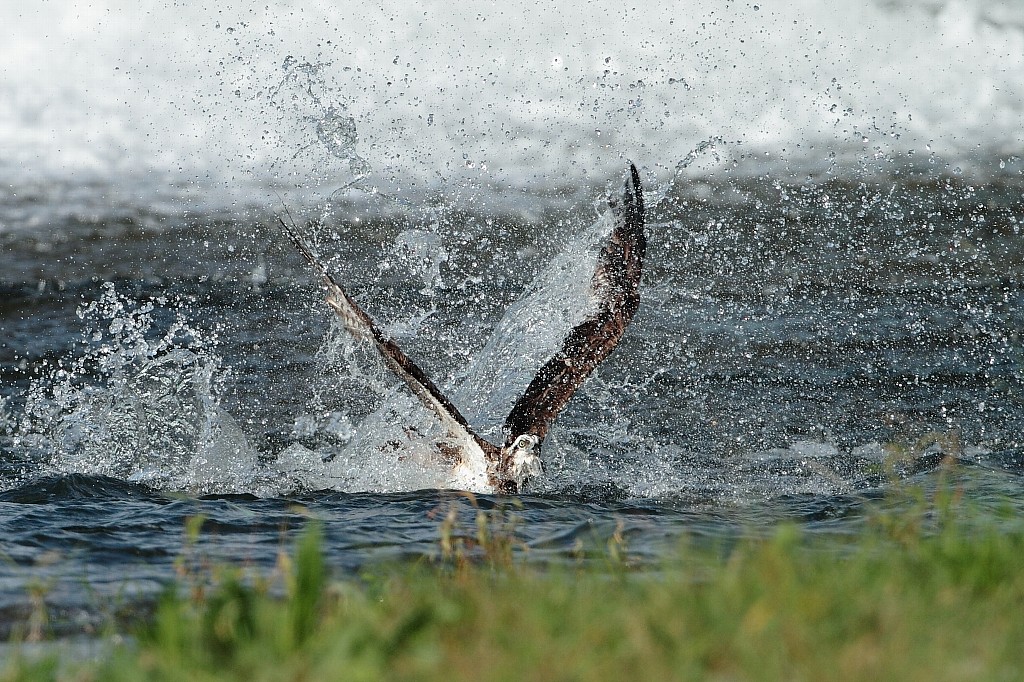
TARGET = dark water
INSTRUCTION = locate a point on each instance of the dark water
(803, 344)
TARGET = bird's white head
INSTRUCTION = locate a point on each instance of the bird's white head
(523, 459)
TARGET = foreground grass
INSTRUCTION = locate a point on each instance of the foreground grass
(916, 597)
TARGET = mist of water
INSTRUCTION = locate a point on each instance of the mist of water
(214, 106)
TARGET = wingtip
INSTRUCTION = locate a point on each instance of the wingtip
(307, 252)
(634, 175)
(296, 239)
(634, 193)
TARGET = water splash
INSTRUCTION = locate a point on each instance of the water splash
(423, 253)
(138, 403)
(665, 196)
(531, 331)
(394, 445)
(317, 133)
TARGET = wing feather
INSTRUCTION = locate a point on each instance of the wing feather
(358, 323)
(615, 285)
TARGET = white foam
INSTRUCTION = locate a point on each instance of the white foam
(483, 95)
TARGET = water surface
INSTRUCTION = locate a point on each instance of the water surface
(831, 306)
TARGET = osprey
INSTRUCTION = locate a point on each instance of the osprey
(478, 464)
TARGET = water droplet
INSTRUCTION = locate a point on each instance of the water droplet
(358, 165)
(337, 132)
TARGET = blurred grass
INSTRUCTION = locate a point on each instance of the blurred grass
(928, 591)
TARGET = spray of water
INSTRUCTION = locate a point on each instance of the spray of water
(394, 445)
(139, 403)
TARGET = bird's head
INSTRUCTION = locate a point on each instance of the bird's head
(521, 460)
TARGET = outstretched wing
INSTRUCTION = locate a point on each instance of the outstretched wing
(361, 326)
(615, 287)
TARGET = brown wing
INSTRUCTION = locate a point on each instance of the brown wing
(361, 325)
(615, 282)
